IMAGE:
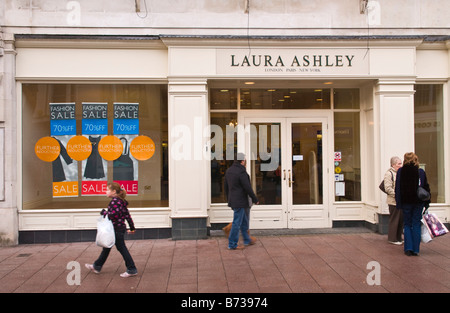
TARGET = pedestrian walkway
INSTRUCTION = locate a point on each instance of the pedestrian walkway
(336, 262)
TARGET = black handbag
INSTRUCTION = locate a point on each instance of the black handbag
(422, 194)
(381, 186)
(123, 168)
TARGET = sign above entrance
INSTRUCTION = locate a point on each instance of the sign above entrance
(293, 62)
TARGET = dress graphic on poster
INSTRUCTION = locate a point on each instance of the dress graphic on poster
(94, 164)
(123, 166)
(58, 170)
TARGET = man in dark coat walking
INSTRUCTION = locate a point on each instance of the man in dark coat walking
(239, 193)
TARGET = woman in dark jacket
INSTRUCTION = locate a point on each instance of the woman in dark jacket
(409, 177)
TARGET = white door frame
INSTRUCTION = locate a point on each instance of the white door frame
(309, 215)
(287, 215)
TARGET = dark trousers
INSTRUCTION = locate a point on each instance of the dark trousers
(122, 248)
(395, 229)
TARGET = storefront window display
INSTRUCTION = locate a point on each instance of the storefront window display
(347, 146)
(79, 137)
(429, 136)
(345, 103)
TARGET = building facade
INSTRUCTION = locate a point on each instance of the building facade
(159, 96)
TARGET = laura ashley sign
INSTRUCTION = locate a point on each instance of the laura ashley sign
(293, 61)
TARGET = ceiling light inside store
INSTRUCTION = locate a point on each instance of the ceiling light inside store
(249, 83)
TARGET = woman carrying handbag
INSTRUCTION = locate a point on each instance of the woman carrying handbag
(409, 178)
(395, 229)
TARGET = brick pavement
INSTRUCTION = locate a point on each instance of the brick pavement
(319, 263)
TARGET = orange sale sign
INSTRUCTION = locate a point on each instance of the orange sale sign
(110, 148)
(65, 189)
(79, 148)
(142, 148)
(47, 149)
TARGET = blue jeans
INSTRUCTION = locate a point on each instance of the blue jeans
(240, 222)
(412, 214)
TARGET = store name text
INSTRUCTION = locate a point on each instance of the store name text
(269, 61)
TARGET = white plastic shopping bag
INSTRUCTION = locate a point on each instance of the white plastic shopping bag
(106, 237)
(426, 234)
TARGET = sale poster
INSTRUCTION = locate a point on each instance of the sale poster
(126, 118)
(65, 171)
(62, 119)
(95, 118)
(64, 168)
(95, 168)
(94, 148)
(126, 128)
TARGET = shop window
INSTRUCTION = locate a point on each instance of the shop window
(429, 136)
(223, 99)
(346, 98)
(104, 133)
(347, 156)
(272, 98)
(225, 141)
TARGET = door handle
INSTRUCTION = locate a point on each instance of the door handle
(284, 174)
(290, 181)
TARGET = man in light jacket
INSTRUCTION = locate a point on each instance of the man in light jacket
(238, 191)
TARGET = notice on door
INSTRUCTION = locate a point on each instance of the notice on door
(340, 188)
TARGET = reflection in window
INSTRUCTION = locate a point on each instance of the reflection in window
(272, 98)
(265, 162)
(307, 163)
(219, 161)
(146, 180)
(223, 99)
(346, 98)
(347, 142)
(429, 137)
